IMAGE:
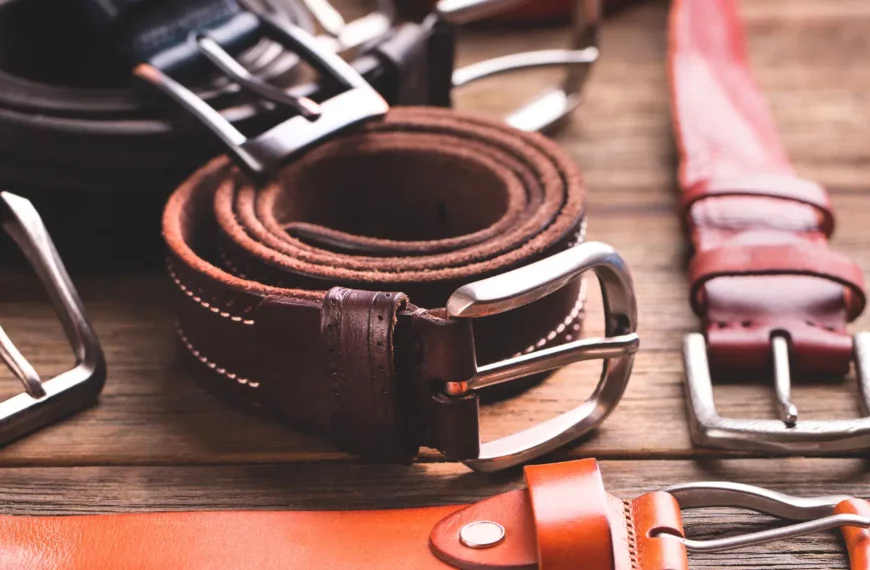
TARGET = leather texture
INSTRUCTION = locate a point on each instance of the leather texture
(424, 538)
(857, 539)
(318, 298)
(762, 263)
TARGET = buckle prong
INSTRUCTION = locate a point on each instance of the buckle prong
(20, 366)
(815, 513)
(237, 72)
(70, 391)
(528, 284)
(782, 380)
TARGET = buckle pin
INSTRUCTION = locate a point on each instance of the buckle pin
(20, 366)
(235, 71)
(528, 284)
(782, 380)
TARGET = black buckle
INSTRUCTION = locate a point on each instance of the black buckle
(261, 155)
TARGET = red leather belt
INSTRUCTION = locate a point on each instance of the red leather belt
(770, 293)
(562, 517)
(305, 297)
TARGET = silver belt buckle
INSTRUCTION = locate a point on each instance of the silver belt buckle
(815, 514)
(261, 155)
(528, 284)
(549, 108)
(44, 402)
(786, 435)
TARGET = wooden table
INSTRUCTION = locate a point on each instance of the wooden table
(157, 442)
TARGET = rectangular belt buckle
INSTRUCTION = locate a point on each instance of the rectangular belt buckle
(44, 402)
(553, 105)
(786, 435)
(528, 284)
(261, 155)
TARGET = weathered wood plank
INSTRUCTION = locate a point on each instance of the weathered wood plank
(156, 441)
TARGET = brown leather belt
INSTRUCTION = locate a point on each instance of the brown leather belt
(769, 291)
(304, 297)
(564, 516)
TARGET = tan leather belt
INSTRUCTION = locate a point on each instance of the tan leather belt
(563, 517)
(771, 295)
(320, 296)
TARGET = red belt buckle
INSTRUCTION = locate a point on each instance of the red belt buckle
(44, 402)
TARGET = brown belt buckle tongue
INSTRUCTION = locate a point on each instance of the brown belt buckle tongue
(552, 106)
(45, 402)
(787, 434)
(259, 156)
(528, 284)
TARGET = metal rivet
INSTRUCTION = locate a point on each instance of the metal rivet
(481, 534)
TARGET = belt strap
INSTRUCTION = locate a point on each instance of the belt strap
(425, 538)
(762, 266)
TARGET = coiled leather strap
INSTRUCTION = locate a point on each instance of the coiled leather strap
(316, 298)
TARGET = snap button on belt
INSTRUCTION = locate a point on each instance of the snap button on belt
(771, 294)
(353, 291)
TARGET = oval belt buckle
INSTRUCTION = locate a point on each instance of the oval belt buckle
(552, 106)
(814, 514)
(528, 284)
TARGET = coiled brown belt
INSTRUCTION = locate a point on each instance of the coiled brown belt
(305, 297)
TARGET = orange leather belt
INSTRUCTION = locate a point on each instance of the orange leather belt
(770, 293)
(562, 517)
(336, 296)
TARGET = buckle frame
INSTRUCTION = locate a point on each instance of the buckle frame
(45, 402)
(787, 435)
(527, 284)
(259, 156)
(552, 106)
(814, 513)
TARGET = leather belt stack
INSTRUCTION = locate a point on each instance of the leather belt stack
(273, 314)
(771, 295)
(563, 515)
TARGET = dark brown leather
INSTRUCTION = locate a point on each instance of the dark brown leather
(316, 298)
(762, 264)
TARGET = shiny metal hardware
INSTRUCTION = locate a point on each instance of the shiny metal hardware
(528, 284)
(44, 402)
(261, 155)
(549, 108)
(480, 535)
(786, 435)
(342, 36)
(816, 513)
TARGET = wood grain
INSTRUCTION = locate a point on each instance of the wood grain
(156, 441)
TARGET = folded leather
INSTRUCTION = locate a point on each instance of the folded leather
(598, 529)
(762, 263)
(317, 297)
